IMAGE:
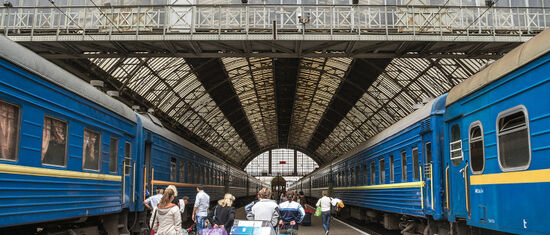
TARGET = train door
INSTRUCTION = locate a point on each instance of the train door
(148, 170)
(128, 180)
(458, 172)
(427, 171)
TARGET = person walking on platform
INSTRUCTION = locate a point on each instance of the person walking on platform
(301, 199)
(200, 210)
(324, 202)
(249, 206)
(185, 221)
(152, 201)
(266, 209)
(166, 218)
(175, 201)
(223, 215)
(292, 213)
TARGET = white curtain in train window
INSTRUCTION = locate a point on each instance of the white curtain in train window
(9, 116)
(91, 150)
(54, 142)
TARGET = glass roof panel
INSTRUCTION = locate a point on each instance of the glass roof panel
(317, 82)
(169, 84)
(405, 82)
(253, 81)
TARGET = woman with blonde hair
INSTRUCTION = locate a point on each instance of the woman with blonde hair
(223, 214)
(166, 218)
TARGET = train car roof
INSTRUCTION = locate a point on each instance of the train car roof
(150, 125)
(435, 106)
(25, 58)
(513, 60)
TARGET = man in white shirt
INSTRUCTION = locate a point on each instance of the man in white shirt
(265, 209)
(324, 203)
(152, 201)
(200, 210)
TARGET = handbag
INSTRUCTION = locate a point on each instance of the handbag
(318, 211)
(152, 224)
(214, 231)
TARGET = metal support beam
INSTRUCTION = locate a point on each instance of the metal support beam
(214, 79)
(295, 162)
(286, 74)
(270, 162)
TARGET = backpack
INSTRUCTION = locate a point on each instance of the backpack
(334, 210)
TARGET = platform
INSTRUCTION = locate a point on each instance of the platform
(337, 227)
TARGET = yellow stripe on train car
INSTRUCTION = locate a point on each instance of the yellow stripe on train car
(518, 177)
(37, 171)
(179, 184)
(385, 186)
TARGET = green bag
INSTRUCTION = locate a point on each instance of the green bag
(318, 211)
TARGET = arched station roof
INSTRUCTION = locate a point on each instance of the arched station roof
(238, 107)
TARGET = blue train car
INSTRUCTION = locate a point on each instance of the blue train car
(63, 144)
(396, 171)
(497, 143)
(172, 160)
(73, 158)
(394, 174)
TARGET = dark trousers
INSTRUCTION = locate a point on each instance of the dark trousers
(326, 220)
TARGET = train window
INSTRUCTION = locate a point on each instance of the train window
(113, 155)
(416, 167)
(428, 152)
(197, 174)
(357, 174)
(204, 176)
(456, 145)
(382, 171)
(403, 166)
(172, 169)
(392, 165)
(477, 161)
(189, 172)
(9, 126)
(54, 142)
(127, 157)
(91, 150)
(350, 183)
(215, 177)
(365, 175)
(182, 170)
(372, 173)
(513, 139)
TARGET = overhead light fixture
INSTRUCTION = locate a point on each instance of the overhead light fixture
(7, 3)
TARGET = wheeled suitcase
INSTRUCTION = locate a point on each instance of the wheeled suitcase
(307, 219)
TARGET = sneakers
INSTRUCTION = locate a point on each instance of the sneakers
(326, 233)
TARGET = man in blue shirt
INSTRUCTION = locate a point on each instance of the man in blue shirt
(292, 213)
(200, 210)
